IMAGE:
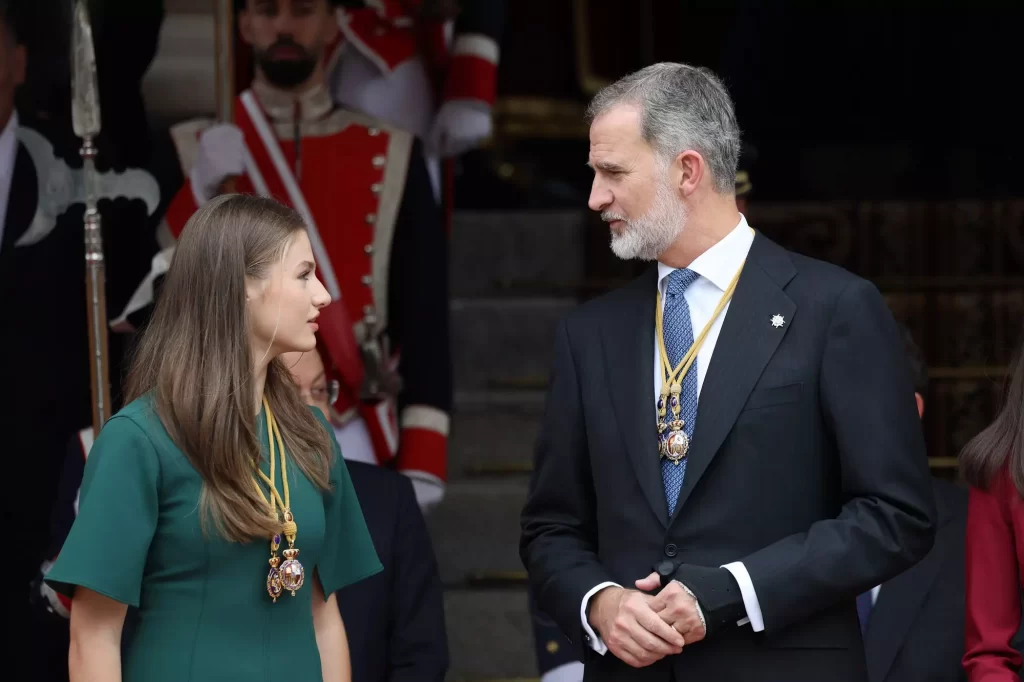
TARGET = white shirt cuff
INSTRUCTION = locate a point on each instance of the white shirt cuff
(750, 603)
(595, 642)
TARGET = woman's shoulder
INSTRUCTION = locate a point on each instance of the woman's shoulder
(1000, 489)
(139, 413)
(139, 423)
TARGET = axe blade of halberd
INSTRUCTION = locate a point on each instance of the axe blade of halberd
(60, 187)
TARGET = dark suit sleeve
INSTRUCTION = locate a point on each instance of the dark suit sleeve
(886, 523)
(559, 525)
(418, 650)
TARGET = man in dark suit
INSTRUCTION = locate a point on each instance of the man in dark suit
(708, 502)
(394, 620)
(914, 623)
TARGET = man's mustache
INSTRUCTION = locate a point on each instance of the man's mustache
(285, 44)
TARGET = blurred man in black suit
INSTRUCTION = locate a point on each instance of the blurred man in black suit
(913, 624)
(394, 620)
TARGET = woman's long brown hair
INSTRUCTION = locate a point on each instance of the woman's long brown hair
(1001, 444)
(196, 359)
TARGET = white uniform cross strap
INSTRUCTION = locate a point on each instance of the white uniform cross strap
(295, 195)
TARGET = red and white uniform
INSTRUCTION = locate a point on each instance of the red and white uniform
(381, 252)
(434, 78)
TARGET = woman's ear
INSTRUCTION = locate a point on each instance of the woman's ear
(254, 289)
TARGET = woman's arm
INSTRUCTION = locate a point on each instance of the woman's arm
(331, 639)
(95, 652)
(993, 605)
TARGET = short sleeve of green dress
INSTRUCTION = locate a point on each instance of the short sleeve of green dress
(348, 555)
(118, 506)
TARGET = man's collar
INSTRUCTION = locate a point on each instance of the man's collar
(314, 104)
(720, 262)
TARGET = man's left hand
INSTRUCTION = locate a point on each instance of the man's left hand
(676, 607)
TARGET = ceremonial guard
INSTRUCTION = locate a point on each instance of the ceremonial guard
(427, 66)
(363, 189)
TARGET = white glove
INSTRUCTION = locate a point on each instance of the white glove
(460, 125)
(221, 155)
(429, 489)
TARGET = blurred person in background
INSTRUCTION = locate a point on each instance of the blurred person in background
(395, 619)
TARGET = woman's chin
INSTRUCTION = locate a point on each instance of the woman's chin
(302, 344)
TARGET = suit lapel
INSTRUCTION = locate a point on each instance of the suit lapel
(629, 358)
(745, 345)
(894, 613)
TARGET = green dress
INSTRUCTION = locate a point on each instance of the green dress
(204, 614)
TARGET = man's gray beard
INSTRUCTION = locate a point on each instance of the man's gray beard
(649, 236)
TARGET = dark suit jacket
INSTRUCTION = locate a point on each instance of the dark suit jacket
(807, 464)
(916, 630)
(395, 619)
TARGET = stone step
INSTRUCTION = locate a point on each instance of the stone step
(495, 340)
(489, 635)
(492, 251)
(184, 63)
(489, 436)
(475, 530)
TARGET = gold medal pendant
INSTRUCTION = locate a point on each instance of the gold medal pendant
(289, 575)
(673, 443)
(293, 575)
(274, 587)
(676, 443)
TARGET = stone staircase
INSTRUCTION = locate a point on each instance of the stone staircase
(511, 278)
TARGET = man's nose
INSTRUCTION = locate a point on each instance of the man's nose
(600, 197)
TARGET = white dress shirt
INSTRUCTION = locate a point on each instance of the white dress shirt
(716, 267)
(8, 155)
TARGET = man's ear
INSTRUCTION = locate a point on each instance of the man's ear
(920, 404)
(691, 165)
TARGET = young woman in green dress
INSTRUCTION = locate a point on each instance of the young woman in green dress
(216, 502)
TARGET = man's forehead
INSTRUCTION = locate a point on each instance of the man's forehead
(615, 129)
(621, 119)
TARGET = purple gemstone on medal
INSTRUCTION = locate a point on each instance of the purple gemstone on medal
(277, 539)
(675, 401)
(661, 403)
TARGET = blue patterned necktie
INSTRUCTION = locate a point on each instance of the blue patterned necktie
(678, 331)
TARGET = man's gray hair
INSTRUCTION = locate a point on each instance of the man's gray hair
(681, 107)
